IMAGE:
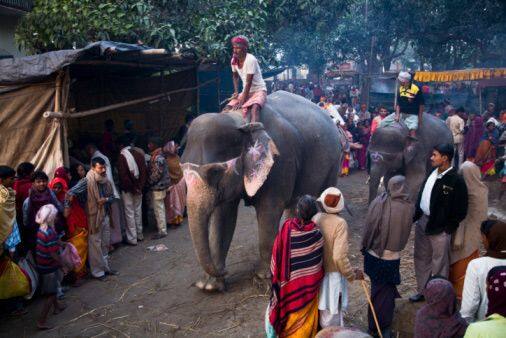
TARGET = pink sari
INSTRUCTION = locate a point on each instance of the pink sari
(175, 202)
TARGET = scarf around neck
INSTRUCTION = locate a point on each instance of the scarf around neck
(96, 212)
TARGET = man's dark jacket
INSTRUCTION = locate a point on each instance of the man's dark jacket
(127, 180)
(448, 204)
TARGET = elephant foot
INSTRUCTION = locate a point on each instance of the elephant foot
(211, 284)
(263, 272)
(215, 284)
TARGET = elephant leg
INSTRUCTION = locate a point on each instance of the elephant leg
(269, 213)
(415, 174)
(222, 226)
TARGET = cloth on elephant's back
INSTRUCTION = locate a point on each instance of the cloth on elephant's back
(297, 270)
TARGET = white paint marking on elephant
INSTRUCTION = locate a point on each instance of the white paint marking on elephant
(376, 157)
(192, 177)
(255, 151)
(232, 166)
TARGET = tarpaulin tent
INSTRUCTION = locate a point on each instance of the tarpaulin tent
(48, 98)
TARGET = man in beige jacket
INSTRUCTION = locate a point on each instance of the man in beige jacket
(456, 125)
(333, 298)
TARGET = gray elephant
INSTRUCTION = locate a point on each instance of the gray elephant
(390, 156)
(294, 151)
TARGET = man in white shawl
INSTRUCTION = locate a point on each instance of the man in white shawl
(132, 172)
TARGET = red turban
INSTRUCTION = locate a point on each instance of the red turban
(241, 40)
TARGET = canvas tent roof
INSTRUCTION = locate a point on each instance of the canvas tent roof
(116, 54)
(83, 88)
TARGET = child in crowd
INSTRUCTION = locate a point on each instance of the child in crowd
(48, 262)
(39, 195)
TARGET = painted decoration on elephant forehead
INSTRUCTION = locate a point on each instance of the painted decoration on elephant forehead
(192, 177)
(376, 156)
(232, 166)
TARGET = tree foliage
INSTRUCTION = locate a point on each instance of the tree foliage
(441, 34)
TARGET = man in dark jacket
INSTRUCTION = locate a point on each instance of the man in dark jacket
(132, 172)
(442, 204)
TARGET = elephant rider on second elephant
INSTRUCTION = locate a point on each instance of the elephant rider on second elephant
(254, 93)
(410, 105)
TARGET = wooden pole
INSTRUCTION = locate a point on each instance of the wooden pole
(396, 93)
(372, 308)
(481, 102)
(123, 104)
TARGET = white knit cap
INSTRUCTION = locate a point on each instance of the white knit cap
(404, 76)
(329, 208)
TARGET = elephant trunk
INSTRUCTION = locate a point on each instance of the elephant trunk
(376, 174)
(199, 213)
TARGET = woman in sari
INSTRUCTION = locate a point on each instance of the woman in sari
(473, 135)
(76, 223)
(297, 272)
(466, 240)
(175, 201)
(486, 152)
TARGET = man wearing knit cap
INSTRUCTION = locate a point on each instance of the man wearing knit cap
(254, 93)
(410, 105)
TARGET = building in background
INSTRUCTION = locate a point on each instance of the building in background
(11, 12)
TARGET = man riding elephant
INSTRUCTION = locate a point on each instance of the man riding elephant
(410, 105)
(254, 93)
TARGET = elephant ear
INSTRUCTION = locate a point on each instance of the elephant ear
(258, 157)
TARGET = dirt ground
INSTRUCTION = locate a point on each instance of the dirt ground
(153, 295)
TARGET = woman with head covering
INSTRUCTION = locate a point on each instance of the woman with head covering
(466, 239)
(474, 296)
(387, 229)
(333, 298)
(495, 324)
(439, 317)
(175, 201)
(486, 152)
(473, 135)
(297, 272)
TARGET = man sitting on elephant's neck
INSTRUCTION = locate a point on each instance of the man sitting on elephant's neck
(410, 105)
(254, 93)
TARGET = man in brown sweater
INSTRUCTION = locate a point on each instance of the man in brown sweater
(132, 172)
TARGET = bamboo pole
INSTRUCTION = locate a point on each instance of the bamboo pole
(372, 308)
(90, 112)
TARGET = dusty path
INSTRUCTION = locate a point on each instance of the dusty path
(153, 295)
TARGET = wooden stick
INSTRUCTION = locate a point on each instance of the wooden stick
(58, 114)
(372, 308)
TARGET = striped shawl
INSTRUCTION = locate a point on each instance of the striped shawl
(297, 270)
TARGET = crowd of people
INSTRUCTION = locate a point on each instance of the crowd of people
(476, 136)
(74, 221)
(311, 269)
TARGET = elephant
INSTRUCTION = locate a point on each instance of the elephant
(294, 151)
(390, 156)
